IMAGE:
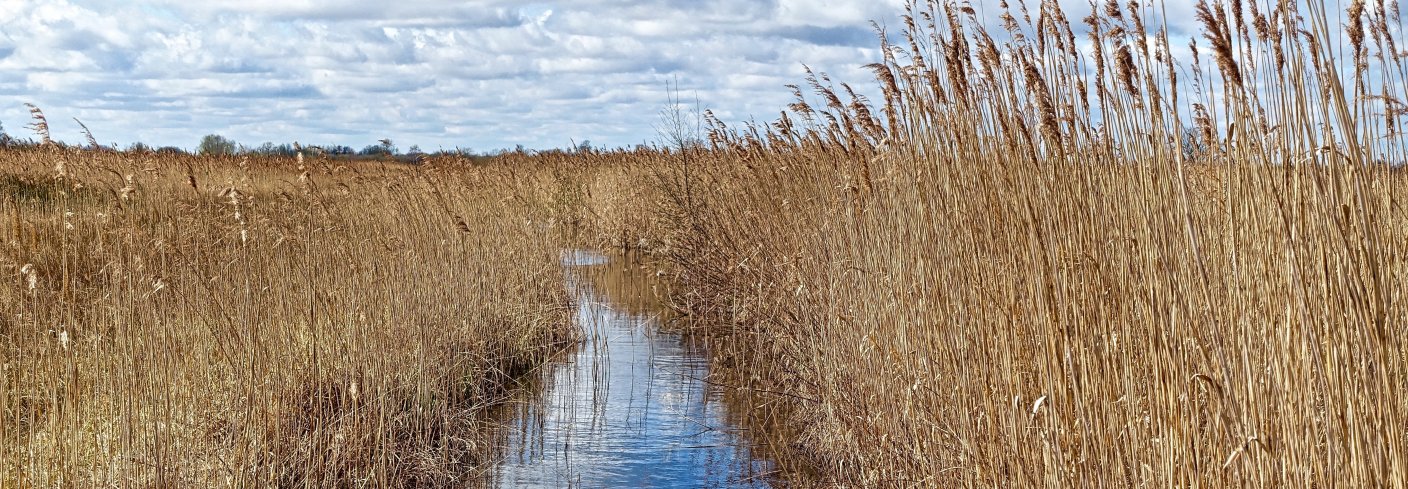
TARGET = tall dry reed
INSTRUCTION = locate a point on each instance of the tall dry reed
(1067, 260)
(172, 321)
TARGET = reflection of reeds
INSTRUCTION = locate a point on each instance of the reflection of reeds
(630, 286)
(634, 385)
(177, 321)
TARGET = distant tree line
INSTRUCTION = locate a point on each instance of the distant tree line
(8, 141)
(216, 144)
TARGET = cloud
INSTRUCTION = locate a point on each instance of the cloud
(482, 74)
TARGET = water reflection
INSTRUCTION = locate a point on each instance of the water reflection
(629, 407)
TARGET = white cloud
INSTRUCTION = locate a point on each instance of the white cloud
(482, 74)
(834, 13)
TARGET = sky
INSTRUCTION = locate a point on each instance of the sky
(481, 75)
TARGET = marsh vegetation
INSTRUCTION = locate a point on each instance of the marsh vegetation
(1052, 255)
(183, 321)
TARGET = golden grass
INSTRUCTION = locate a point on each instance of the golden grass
(177, 322)
(1036, 264)
(1031, 327)
(1041, 266)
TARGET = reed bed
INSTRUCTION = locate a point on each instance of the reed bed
(1062, 261)
(171, 321)
(1050, 256)
(616, 201)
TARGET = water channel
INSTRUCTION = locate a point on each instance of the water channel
(630, 406)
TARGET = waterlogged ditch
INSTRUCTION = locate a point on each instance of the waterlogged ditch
(629, 407)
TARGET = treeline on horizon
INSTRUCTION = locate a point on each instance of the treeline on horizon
(219, 145)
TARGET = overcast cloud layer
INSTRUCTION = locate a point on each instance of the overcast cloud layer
(484, 75)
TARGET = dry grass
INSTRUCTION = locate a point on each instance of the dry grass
(1023, 271)
(612, 201)
(1036, 264)
(177, 322)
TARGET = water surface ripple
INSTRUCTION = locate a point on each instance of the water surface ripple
(627, 408)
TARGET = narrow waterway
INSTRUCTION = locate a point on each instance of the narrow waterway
(629, 407)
